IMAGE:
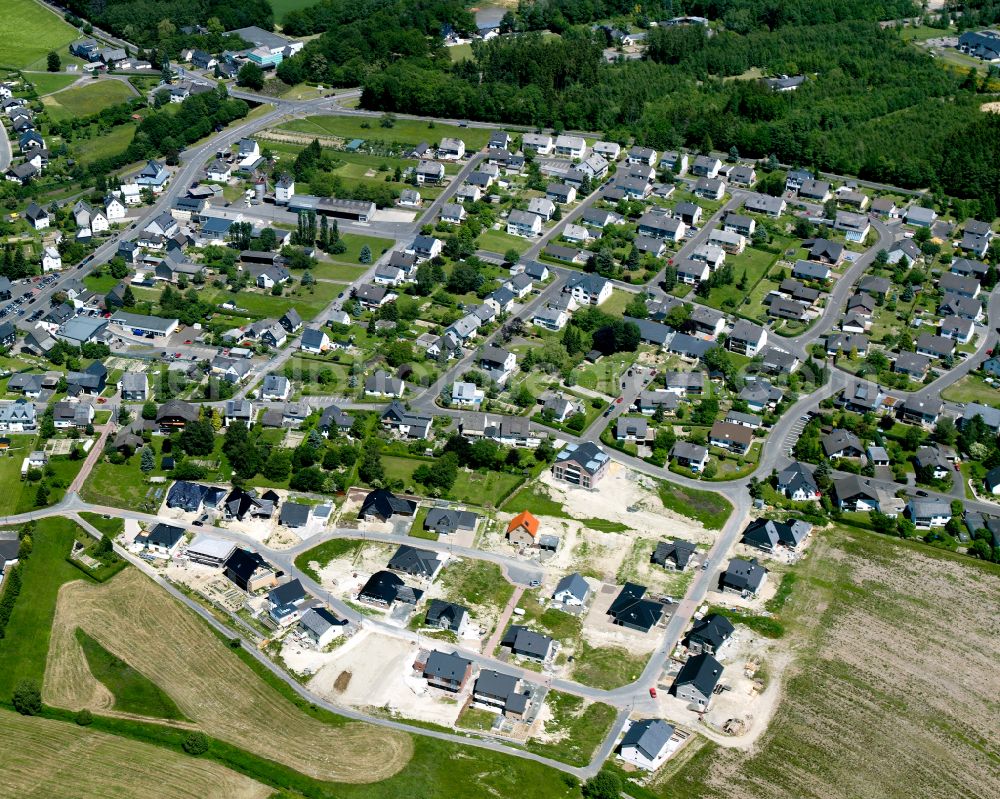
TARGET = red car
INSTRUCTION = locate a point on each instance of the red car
(652, 692)
(188, 341)
(619, 400)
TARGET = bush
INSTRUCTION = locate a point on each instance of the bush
(27, 698)
(196, 743)
(84, 718)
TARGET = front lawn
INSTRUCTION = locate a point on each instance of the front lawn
(606, 667)
(499, 242)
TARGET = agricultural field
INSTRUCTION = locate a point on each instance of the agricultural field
(59, 760)
(90, 98)
(208, 683)
(404, 131)
(883, 699)
(31, 32)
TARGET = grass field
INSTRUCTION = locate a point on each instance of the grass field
(536, 498)
(132, 692)
(87, 99)
(972, 389)
(24, 648)
(282, 7)
(606, 667)
(111, 143)
(11, 485)
(32, 31)
(48, 82)
(355, 242)
(59, 760)
(460, 52)
(405, 131)
(711, 509)
(208, 682)
(605, 375)
(477, 488)
(477, 582)
(499, 242)
(110, 527)
(883, 699)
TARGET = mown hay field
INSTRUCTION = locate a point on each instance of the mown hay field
(55, 760)
(137, 621)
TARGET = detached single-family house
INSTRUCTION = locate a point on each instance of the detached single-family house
(695, 682)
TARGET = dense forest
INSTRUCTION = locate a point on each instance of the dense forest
(154, 22)
(872, 105)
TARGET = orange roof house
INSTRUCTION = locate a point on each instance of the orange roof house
(523, 529)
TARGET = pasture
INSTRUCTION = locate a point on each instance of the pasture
(31, 32)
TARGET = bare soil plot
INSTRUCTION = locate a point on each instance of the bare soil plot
(894, 688)
(56, 760)
(135, 620)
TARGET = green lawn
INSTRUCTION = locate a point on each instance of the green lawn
(615, 304)
(87, 99)
(48, 82)
(25, 645)
(110, 527)
(338, 271)
(582, 728)
(111, 143)
(404, 131)
(606, 667)
(707, 507)
(355, 242)
(102, 284)
(972, 388)
(499, 242)
(32, 31)
(535, 497)
(133, 691)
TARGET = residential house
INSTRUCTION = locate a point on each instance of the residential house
(797, 483)
(746, 338)
(523, 223)
(842, 444)
(935, 346)
(134, 386)
(422, 563)
(764, 204)
(645, 743)
(163, 540)
(919, 216)
(498, 363)
(581, 465)
(448, 616)
(733, 437)
(382, 384)
(498, 692)
(571, 590)
(285, 602)
(811, 270)
(690, 456)
(856, 494)
(522, 530)
(447, 521)
(710, 188)
(674, 554)
(321, 627)
(275, 388)
(383, 505)
(912, 365)
(695, 682)
(527, 643)
(769, 534)
(815, 190)
(405, 423)
(631, 610)
(709, 634)
(744, 577)
(732, 243)
(920, 410)
(738, 223)
(927, 514)
(855, 227)
(588, 289)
